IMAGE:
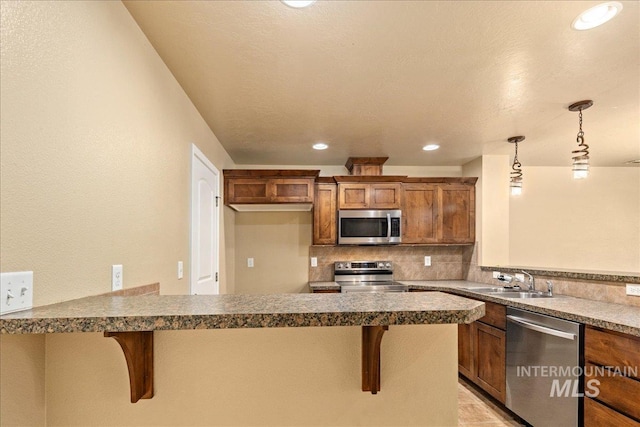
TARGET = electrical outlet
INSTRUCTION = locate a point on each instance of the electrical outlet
(427, 261)
(496, 274)
(16, 291)
(520, 276)
(314, 261)
(633, 290)
(180, 270)
(250, 262)
(116, 277)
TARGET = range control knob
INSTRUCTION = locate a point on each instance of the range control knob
(381, 265)
(387, 265)
(339, 266)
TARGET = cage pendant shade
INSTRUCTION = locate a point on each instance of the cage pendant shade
(515, 183)
(580, 166)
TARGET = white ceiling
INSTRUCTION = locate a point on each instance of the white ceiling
(384, 78)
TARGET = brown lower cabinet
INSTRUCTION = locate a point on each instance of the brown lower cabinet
(613, 394)
(482, 350)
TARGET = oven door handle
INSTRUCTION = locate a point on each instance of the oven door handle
(539, 328)
(389, 227)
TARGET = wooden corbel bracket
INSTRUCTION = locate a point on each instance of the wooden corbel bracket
(371, 339)
(138, 351)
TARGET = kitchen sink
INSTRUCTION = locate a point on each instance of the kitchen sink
(496, 290)
(520, 294)
(510, 292)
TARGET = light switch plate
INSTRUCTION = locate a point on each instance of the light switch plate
(427, 261)
(314, 261)
(633, 290)
(250, 262)
(496, 274)
(116, 277)
(16, 291)
(180, 270)
(520, 276)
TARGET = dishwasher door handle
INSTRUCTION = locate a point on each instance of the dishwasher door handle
(539, 328)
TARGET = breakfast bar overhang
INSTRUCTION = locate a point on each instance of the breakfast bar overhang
(131, 321)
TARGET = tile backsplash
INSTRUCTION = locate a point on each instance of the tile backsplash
(447, 262)
(597, 290)
(454, 263)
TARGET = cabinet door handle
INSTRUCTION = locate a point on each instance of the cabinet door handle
(539, 328)
(389, 227)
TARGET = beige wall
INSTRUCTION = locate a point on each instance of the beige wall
(284, 377)
(279, 244)
(590, 224)
(22, 376)
(492, 208)
(95, 154)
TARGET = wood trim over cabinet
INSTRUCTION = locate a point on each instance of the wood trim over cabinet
(365, 165)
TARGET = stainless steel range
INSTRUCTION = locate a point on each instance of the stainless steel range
(366, 276)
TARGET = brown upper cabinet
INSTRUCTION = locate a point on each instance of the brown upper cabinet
(325, 212)
(369, 192)
(266, 186)
(438, 210)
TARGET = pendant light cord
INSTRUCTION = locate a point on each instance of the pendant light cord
(583, 152)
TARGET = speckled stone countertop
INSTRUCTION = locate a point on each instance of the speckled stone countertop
(615, 317)
(175, 312)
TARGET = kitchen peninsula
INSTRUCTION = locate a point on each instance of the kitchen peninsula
(298, 353)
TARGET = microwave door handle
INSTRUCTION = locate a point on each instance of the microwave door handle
(389, 227)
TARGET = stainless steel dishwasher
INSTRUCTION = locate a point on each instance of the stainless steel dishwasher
(544, 368)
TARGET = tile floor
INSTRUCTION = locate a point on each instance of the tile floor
(477, 410)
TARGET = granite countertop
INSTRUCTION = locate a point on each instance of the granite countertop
(175, 312)
(615, 317)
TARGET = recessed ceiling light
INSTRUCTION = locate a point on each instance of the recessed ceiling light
(430, 147)
(320, 146)
(298, 4)
(597, 15)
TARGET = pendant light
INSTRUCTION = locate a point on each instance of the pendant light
(516, 174)
(581, 156)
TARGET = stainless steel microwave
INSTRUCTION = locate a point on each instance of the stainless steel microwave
(369, 227)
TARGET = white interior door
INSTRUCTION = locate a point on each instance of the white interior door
(205, 182)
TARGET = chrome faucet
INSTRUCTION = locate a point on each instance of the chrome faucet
(532, 281)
